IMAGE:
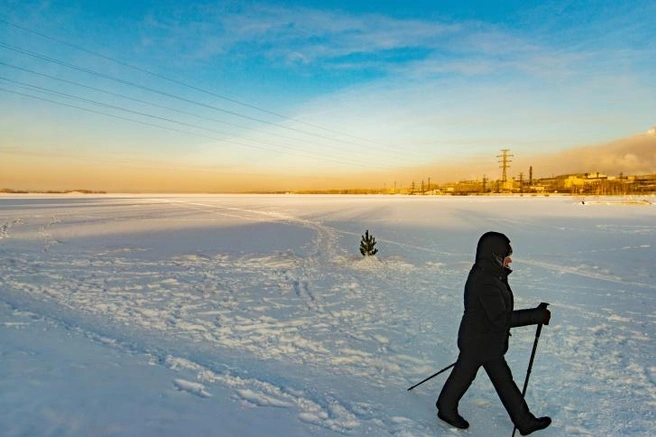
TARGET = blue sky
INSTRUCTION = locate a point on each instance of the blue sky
(220, 94)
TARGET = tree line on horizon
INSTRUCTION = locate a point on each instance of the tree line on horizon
(575, 184)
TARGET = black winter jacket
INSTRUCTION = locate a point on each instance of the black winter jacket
(489, 304)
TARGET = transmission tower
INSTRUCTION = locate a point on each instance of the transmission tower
(505, 164)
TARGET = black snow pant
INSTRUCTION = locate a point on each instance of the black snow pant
(497, 369)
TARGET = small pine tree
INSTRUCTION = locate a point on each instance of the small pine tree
(367, 245)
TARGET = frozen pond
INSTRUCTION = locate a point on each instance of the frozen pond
(257, 315)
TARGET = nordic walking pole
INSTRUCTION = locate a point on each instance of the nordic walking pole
(432, 376)
(542, 305)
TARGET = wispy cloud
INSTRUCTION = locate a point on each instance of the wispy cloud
(334, 39)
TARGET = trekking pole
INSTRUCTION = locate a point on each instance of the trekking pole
(543, 305)
(432, 376)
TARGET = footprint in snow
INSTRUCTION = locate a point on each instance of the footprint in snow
(191, 387)
(262, 400)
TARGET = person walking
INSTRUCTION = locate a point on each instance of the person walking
(483, 336)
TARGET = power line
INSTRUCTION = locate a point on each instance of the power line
(145, 88)
(128, 97)
(214, 94)
(57, 93)
(103, 113)
(126, 161)
(168, 120)
(133, 84)
(173, 96)
(78, 84)
(143, 70)
(178, 82)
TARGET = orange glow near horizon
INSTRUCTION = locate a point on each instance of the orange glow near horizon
(43, 171)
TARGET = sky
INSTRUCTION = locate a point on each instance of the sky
(281, 95)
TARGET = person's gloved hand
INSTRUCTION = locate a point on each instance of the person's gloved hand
(547, 316)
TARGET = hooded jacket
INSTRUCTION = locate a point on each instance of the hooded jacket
(489, 304)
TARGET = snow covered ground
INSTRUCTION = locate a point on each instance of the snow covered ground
(257, 316)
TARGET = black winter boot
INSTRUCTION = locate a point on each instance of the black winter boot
(454, 419)
(535, 425)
